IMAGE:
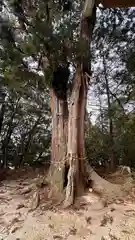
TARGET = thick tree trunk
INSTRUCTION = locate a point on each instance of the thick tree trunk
(68, 169)
(58, 167)
(67, 166)
(75, 149)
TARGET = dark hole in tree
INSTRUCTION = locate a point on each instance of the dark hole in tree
(66, 170)
(89, 183)
(60, 81)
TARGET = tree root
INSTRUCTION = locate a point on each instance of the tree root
(107, 190)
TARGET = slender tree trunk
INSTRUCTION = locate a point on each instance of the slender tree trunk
(111, 140)
(27, 144)
(7, 138)
(2, 111)
(101, 111)
(5, 145)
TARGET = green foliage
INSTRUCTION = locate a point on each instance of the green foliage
(96, 146)
(34, 38)
(113, 53)
(131, 62)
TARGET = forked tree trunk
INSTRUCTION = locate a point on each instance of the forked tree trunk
(68, 169)
(68, 165)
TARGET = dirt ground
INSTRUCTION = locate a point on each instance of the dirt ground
(91, 218)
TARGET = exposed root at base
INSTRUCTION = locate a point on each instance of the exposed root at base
(110, 191)
(105, 190)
